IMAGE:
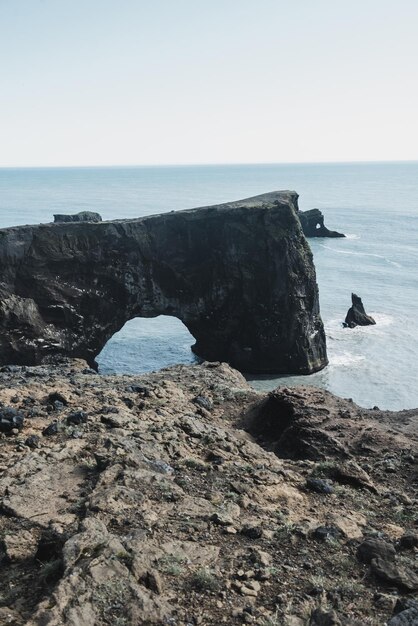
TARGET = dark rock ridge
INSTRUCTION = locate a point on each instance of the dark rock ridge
(83, 216)
(356, 315)
(312, 222)
(240, 276)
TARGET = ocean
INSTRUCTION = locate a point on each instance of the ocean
(374, 204)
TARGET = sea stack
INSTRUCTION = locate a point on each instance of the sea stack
(356, 315)
(312, 222)
(240, 276)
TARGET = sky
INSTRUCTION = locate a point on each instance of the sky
(136, 82)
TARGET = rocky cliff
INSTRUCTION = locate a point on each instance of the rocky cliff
(239, 275)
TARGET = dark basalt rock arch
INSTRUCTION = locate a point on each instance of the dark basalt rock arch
(240, 276)
(312, 222)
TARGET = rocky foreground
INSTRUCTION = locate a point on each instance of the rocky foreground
(184, 497)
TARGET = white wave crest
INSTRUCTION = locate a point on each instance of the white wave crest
(377, 256)
(382, 320)
(335, 331)
(345, 358)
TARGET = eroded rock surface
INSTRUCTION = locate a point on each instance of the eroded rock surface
(157, 506)
(239, 275)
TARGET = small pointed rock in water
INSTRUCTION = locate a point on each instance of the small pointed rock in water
(356, 315)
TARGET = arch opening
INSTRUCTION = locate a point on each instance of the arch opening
(147, 344)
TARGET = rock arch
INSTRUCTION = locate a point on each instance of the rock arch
(240, 276)
(147, 344)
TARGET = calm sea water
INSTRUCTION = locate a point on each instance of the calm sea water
(376, 205)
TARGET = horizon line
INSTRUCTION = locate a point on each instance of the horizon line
(207, 164)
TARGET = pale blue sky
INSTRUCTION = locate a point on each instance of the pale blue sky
(86, 82)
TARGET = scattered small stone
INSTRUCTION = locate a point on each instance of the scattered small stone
(263, 557)
(77, 417)
(33, 441)
(89, 371)
(51, 429)
(10, 418)
(54, 397)
(318, 485)
(204, 402)
(408, 541)
(248, 591)
(160, 466)
(252, 532)
(76, 434)
(222, 519)
(325, 533)
(143, 391)
(215, 458)
(115, 420)
(254, 584)
(350, 473)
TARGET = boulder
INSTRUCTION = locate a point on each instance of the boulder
(399, 575)
(374, 548)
